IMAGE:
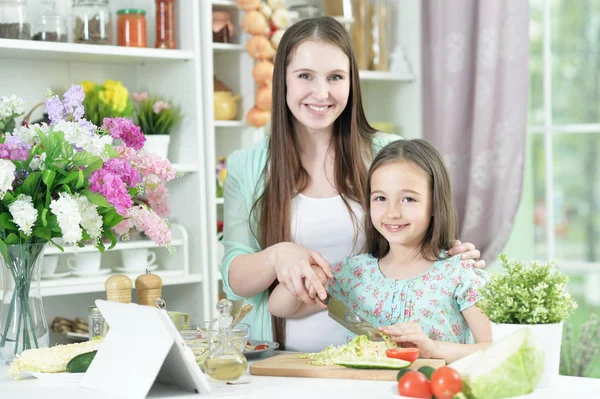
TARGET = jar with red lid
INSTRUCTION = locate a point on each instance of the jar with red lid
(131, 27)
(165, 24)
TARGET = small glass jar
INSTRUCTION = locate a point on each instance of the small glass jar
(92, 22)
(165, 24)
(131, 27)
(13, 20)
(96, 325)
(49, 26)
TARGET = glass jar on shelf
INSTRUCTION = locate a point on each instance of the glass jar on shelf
(131, 27)
(92, 22)
(97, 327)
(165, 24)
(13, 20)
(49, 26)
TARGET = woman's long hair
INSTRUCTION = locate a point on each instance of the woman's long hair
(284, 174)
(442, 227)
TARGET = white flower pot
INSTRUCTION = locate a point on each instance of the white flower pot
(549, 337)
(157, 144)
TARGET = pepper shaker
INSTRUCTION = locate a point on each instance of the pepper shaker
(118, 288)
(149, 287)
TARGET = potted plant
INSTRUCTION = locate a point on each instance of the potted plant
(157, 117)
(108, 100)
(534, 296)
(62, 181)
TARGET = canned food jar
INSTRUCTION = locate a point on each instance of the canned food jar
(131, 27)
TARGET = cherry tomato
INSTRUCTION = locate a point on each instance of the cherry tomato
(415, 385)
(408, 354)
(260, 347)
(445, 382)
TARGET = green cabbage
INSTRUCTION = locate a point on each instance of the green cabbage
(510, 367)
(359, 347)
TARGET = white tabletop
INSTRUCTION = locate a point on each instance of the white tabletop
(272, 387)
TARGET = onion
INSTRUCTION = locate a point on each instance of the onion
(248, 5)
(264, 97)
(260, 48)
(255, 23)
(258, 117)
(263, 72)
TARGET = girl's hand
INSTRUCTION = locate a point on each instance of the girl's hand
(293, 265)
(410, 332)
(467, 251)
(312, 291)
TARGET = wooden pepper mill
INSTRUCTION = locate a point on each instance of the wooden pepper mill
(118, 288)
(149, 288)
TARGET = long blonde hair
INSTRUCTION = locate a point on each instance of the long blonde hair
(284, 174)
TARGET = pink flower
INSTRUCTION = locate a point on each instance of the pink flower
(159, 106)
(139, 97)
(124, 129)
(158, 199)
(151, 224)
(126, 172)
(111, 187)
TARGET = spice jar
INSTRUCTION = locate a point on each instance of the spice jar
(118, 288)
(49, 26)
(13, 20)
(165, 24)
(222, 27)
(92, 22)
(149, 288)
(131, 27)
(96, 325)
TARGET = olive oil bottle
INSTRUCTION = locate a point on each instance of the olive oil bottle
(225, 362)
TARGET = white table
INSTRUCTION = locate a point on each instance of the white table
(273, 387)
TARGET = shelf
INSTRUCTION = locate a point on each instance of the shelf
(220, 200)
(224, 3)
(385, 76)
(81, 285)
(228, 47)
(230, 123)
(52, 250)
(185, 167)
(37, 50)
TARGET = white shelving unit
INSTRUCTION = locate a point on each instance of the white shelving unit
(29, 68)
(387, 97)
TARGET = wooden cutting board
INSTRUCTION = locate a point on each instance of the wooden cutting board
(289, 365)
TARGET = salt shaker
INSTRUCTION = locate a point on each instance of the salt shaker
(149, 287)
(118, 288)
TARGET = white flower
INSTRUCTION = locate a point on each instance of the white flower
(38, 162)
(91, 221)
(66, 209)
(23, 213)
(81, 138)
(7, 176)
(10, 106)
(30, 134)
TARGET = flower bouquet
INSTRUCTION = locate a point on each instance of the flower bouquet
(108, 100)
(66, 180)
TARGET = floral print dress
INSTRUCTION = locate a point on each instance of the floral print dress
(434, 299)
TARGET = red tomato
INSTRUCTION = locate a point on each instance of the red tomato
(260, 347)
(415, 385)
(408, 354)
(445, 382)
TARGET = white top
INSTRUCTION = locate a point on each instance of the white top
(323, 225)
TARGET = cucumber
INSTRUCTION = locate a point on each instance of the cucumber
(401, 373)
(374, 363)
(80, 363)
(427, 371)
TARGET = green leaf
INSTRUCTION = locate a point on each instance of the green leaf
(100, 246)
(6, 222)
(110, 151)
(31, 183)
(57, 246)
(48, 176)
(3, 249)
(92, 167)
(110, 219)
(53, 223)
(96, 198)
(42, 232)
(43, 217)
(72, 176)
(11, 239)
(83, 158)
(113, 240)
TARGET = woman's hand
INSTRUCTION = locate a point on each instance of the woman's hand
(293, 265)
(410, 332)
(312, 291)
(467, 251)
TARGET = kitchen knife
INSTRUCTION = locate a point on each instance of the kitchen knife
(350, 320)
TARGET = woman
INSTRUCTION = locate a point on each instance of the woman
(295, 200)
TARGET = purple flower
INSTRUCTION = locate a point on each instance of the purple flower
(124, 170)
(14, 149)
(55, 110)
(72, 101)
(124, 129)
(87, 125)
(109, 185)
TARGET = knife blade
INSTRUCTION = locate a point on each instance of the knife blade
(344, 316)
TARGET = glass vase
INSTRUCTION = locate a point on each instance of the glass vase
(22, 320)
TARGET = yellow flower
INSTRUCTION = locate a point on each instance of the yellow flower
(223, 174)
(88, 86)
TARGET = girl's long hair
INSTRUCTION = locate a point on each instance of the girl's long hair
(284, 175)
(442, 227)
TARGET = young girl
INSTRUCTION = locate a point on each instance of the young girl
(295, 199)
(405, 283)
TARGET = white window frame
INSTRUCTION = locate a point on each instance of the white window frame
(548, 129)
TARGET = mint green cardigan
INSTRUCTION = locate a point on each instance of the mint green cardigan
(243, 185)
